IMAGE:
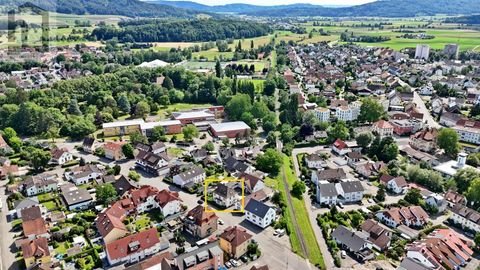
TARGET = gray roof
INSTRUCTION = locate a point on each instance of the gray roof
(348, 238)
(191, 256)
(327, 190)
(412, 264)
(224, 191)
(25, 203)
(257, 208)
(74, 195)
(194, 171)
(352, 186)
(331, 174)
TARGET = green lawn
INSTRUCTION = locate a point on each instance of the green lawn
(50, 205)
(45, 197)
(62, 248)
(301, 215)
(175, 152)
(142, 222)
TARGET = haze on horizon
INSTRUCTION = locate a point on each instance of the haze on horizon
(282, 2)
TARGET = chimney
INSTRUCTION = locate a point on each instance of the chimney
(461, 159)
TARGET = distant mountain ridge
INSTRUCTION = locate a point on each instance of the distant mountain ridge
(129, 8)
(380, 8)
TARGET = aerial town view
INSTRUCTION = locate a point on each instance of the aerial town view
(240, 134)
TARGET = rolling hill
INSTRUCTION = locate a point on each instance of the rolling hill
(380, 8)
(130, 8)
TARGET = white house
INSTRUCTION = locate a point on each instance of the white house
(327, 193)
(397, 185)
(350, 191)
(466, 217)
(340, 147)
(259, 213)
(314, 161)
(168, 202)
(382, 128)
(409, 216)
(133, 248)
(225, 195)
(437, 201)
(253, 183)
(194, 175)
(323, 114)
(60, 156)
(39, 184)
(426, 90)
(84, 174)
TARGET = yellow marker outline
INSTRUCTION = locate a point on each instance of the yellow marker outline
(210, 210)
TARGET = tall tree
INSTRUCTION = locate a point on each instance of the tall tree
(142, 109)
(447, 140)
(124, 104)
(371, 110)
(190, 132)
(73, 107)
(218, 69)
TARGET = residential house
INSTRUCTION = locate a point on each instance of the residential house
(209, 256)
(234, 241)
(35, 228)
(123, 185)
(235, 166)
(36, 252)
(412, 216)
(382, 128)
(397, 185)
(322, 114)
(32, 213)
(4, 147)
(441, 249)
(353, 158)
(224, 195)
(76, 198)
(156, 148)
(109, 222)
(454, 198)
(156, 164)
(60, 156)
(168, 202)
(327, 193)
(425, 140)
(350, 191)
(466, 217)
(113, 150)
(193, 175)
(315, 161)
(41, 183)
(201, 222)
(329, 175)
(88, 145)
(353, 242)
(133, 248)
(7, 169)
(253, 183)
(259, 213)
(437, 201)
(199, 154)
(25, 204)
(84, 174)
(378, 234)
(370, 169)
(340, 147)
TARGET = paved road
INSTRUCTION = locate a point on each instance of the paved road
(426, 113)
(7, 260)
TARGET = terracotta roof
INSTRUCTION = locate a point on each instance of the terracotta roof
(113, 217)
(454, 197)
(339, 144)
(159, 259)
(164, 197)
(383, 124)
(37, 248)
(31, 213)
(235, 236)
(426, 135)
(34, 227)
(132, 244)
(385, 178)
(200, 216)
(264, 267)
(140, 195)
(251, 181)
(58, 152)
(113, 146)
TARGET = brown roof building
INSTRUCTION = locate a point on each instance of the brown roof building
(133, 247)
(36, 252)
(234, 241)
(201, 222)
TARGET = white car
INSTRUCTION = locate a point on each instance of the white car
(370, 201)
(343, 254)
(220, 222)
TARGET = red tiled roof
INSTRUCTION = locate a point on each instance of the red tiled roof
(34, 227)
(37, 248)
(164, 197)
(236, 236)
(200, 216)
(113, 146)
(383, 124)
(140, 195)
(132, 244)
(339, 144)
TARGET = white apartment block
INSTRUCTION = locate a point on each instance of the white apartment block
(323, 114)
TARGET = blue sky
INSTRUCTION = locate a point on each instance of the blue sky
(283, 2)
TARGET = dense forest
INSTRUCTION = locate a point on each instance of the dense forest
(130, 8)
(474, 19)
(181, 31)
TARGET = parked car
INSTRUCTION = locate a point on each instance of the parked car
(343, 254)
(370, 200)
(200, 202)
(234, 263)
(340, 205)
(244, 258)
(228, 265)
(220, 221)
